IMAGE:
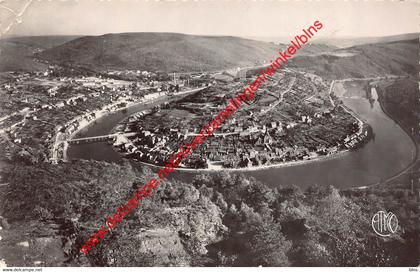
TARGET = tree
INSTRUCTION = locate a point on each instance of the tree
(266, 246)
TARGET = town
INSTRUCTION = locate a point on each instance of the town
(42, 110)
(292, 119)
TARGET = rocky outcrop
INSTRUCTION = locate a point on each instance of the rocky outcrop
(165, 245)
(3, 223)
(179, 240)
(198, 225)
(153, 247)
(32, 243)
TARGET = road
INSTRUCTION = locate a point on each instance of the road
(289, 88)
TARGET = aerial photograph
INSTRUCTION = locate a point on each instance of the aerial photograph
(209, 134)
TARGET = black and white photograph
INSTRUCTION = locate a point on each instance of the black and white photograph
(209, 135)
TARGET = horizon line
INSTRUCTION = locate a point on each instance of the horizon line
(203, 35)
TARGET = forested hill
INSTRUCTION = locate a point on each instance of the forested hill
(160, 51)
(16, 53)
(173, 52)
(217, 220)
(369, 60)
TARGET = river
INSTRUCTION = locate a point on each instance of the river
(389, 152)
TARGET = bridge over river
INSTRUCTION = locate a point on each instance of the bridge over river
(101, 138)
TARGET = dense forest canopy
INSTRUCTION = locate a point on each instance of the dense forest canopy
(215, 220)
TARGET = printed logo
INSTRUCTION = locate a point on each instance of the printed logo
(384, 224)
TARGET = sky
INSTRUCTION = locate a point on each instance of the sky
(268, 18)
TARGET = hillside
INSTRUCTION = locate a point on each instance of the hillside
(212, 220)
(315, 48)
(179, 52)
(160, 51)
(343, 42)
(398, 58)
(16, 52)
(312, 47)
(353, 41)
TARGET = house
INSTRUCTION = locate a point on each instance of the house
(264, 128)
(252, 154)
(332, 150)
(327, 113)
(320, 148)
(268, 139)
(59, 105)
(291, 125)
(259, 142)
(238, 129)
(246, 162)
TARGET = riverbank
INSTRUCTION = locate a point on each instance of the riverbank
(350, 143)
(403, 171)
(105, 112)
(88, 119)
(255, 168)
(108, 110)
(407, 131)
(377, 160)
